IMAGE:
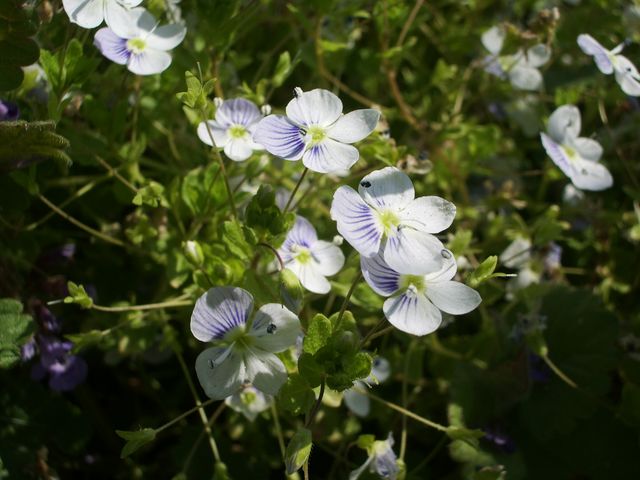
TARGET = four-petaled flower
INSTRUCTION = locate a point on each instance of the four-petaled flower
(382, 460)
(358, 402)
(233, 128)
(65, 371)
(244, 345)
(91, 13)
(310, 259)
(316, 131)
(576, 156)
(249, 401)
(386, 217)
(416, 300)
(139, 43)
(610, 61)
(521, 68)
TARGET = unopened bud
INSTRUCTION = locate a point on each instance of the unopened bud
(193, 252)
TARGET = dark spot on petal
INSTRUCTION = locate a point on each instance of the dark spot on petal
(211, 364)
(303, 132)
(376, 362)
(271, 328)
(365, 184)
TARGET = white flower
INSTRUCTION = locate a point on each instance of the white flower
(233, 128)
(310, 259)
(91, 13)
(416, 301)
(576, 156)
(249, 402)
(244, 345)
(521, 68)
(139, 43)
(358, 402)
(382, 460)
(517, 254)
(316, 131)
(384, 216)
(610, 61)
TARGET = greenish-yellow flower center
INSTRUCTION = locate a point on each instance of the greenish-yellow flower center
(571, 153)
(237, 131)
(303, 255)
(388, 219)
(239, 337)
(317, 134)
(136, 45)
(417, 281)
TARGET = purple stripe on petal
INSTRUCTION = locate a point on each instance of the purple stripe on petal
(302, 234)
(356, 221)
(380, 277)
(220, 310)
(237, 111)
(280, 137)
(557, 154)
(112, 46)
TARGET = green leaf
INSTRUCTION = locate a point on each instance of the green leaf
(365, 442)
(235, 237)
(151, 194)
(282, 70)
(135, 440)
(196, 95)
(220, 472)
(291, 290)
(78, 295)
(318, 333)
(15, 330)
(467, 435)
(86, 339)
(484, 271)
(310, 369)
(296, 396)
(298, 450)
(25, 143)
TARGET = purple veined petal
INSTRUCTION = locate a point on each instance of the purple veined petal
(265, 371)
(330, 156)
(218, 133)
(302, 233)
(238, 149)
(28, 350)
(221, 371)
(412, 252)
(53, 352)
(149, 62)
(493, 39)
(564, 123)
(354, 126)
(357, 402)
(590, 175)
(310, 276)
(524, 77)
(86, 13)
(387, 187)
(112, 46)
(452, 297)
(73, 375)
(385, 461)
(446, 272)
(280, 137)
(317, 107)
(413, 313)
(557, 154)
(220, 310)
(275, 328)
(627, 76)
(237, 111)
(328, 257)
(591, 46)
(588, 148)
(429, 214)
(166, 37)
(381, 277)
(356, 221)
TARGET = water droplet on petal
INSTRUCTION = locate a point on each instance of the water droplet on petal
(445, 253)
(211, 364)
(271, 328)
(297, 92)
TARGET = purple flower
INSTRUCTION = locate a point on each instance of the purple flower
(65, 371)
(8, 111)
(500, 439)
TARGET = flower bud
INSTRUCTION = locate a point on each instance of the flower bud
(193, 252)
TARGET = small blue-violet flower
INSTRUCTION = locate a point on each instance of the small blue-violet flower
(249, 401)
(245, 344)
(8, 111)
(91, 13)
(576, 156)
(65, 371)
(310, 259)
(382, 460)
(316, 131)
(233, 128)
(139, 43)
(415, 301)
(384, 216)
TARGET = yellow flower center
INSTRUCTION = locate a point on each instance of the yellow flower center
(302, 254)
(388, 219)
(417, 281)
(317, 134)
(237, 131)
(136, 45)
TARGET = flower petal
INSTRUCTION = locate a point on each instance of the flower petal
(588, 148)
(328, 257)
(354, 126)
(220, 310)
(447, 271)
(381, 277)
(493, 39)
(310, 276)
(121, 19)
(557, 154)
(356, 221)
(387, 187)
(238, 149)
(265, 371)
(330, 156)
(524, 77)
(413, 313)
(316, 107)
(453, 297)
(591, 175)
(275, 328)
(627, 76)
(413, 252)
(237, 111)
(86, 13)
(221, 372)
(149, 62)
(380, 371)
(537, 56)
(564, 123)
(591, 46)
(219, 134)
(517, 254)
(357, 402)
(428, 214)
(112, 46)
(301, 234)
(166, 37)
(280, 137)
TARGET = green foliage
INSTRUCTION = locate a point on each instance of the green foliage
(15, 330)
(135, 440)
(78, 295)
(298, 450)
(27, 143)
(196, 95)
(296, 396)
(17, 49)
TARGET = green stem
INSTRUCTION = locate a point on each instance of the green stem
(149, 306)
(347, 297)
(316, 406)
(276, 424)
(295, 190)
(184, 415)
(559, 372)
